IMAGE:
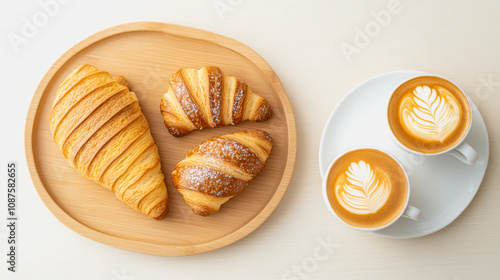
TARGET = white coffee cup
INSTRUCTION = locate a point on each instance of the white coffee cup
(407, 211)
(461, 150)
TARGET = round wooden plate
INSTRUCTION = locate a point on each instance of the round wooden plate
(147, 54)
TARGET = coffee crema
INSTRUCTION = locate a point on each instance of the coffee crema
(367, 188)
(429, 114)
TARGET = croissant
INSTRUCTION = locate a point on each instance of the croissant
(219, 168)
(99, 127)
(198, 99)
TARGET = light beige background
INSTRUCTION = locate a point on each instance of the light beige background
(302, 41)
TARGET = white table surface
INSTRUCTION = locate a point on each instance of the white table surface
(303, 42)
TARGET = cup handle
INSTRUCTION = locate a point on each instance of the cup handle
(465, 153)
(412, 213)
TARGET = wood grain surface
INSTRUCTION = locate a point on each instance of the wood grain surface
(147, 54)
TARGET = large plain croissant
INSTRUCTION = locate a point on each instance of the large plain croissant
(219, 168)
(198, 99)
(100, 128)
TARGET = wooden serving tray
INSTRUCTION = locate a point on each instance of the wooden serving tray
(147, 54)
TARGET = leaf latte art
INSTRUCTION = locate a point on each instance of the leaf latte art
(430, 113)
(363, 190)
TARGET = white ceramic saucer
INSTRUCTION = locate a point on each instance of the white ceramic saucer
(441, 186)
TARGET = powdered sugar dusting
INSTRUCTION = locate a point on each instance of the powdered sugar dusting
(215, 94)
(262, 113)
(188, 105)
(239, 101)
(232, 152)
(207, 180)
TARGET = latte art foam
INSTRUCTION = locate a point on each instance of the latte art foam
(362, 190)
(430, 113)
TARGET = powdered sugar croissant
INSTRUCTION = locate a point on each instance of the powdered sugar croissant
(219, 168)
(100, 128)
(198, 99)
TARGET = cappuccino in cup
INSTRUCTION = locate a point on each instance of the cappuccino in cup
(368, 189)
(431, 115)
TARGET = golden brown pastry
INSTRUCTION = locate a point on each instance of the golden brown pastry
(99, 126)
(197, 99)
(219, 168)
